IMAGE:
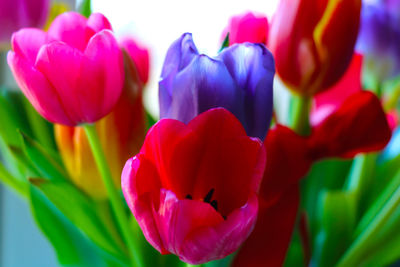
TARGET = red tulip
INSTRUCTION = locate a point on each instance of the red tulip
(247, 27)
(313, 42)
(193, 188)
(73, 73)
(287, 162)
(358, 125)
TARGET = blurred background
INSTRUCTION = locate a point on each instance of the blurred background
(154, 24)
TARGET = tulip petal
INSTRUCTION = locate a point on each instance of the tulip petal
(38, 90)
(252, 67)
(341, 18)
(326, 102)
(98, 22)
(179, 55)
(248, 28)
(215, 242)
(204, 84)
(140, 57)
(269, 241)
(56, 58)
(104, 68)
(284, 148)
(27, 42)
(70, 28)
(359, 125)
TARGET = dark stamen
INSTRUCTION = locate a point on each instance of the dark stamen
(188, 196)
(208, 197)
(214, 204)
(224, 217)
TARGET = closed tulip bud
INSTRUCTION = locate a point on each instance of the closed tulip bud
(313, 42)
(247, 27)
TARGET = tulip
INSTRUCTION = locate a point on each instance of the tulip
(379, 38)
(247, 28)
(287, 162)
(121, 133)
(359, 125)
(17, 14)
(71, 74)
(193, 188)
(313, 42)
(239, 79)
(139, 55)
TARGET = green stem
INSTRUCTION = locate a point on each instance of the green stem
(300, 111)
(116, 202)
(357, 250)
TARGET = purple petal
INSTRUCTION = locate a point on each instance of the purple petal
(252, 67)
(204, 84)
(179, 55)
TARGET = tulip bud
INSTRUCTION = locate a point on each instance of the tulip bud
(121, 134)
(313, 42)
(247, 27)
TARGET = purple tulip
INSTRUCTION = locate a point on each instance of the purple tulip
(379, 37)
(239, 79)
(16, 14)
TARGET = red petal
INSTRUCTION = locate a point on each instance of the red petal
(328, 101)
(359, 125)
(287, 161)
(269, 241)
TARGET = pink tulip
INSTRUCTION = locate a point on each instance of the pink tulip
(140, 56)
(247, 27)
(73, 73)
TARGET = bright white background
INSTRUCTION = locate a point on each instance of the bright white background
(157, 23)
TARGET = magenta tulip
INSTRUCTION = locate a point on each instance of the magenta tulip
(73, 73)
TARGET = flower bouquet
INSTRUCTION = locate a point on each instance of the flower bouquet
(282, 150)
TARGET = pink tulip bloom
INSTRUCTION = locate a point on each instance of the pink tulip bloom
(247, 27)
(16, 14)
(193, 188)
(139, 55)
(73, 73)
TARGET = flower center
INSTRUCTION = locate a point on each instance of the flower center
(208, 199)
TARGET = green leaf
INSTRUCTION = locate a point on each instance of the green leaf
(11, 181)
(82, 212)
(324, 175)
(150, 120)
(85, 8)
(225, 43)
(72, 247)
(294, 256)
(337, 221)
(12, 116)
(42, 129)
(46, 161)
